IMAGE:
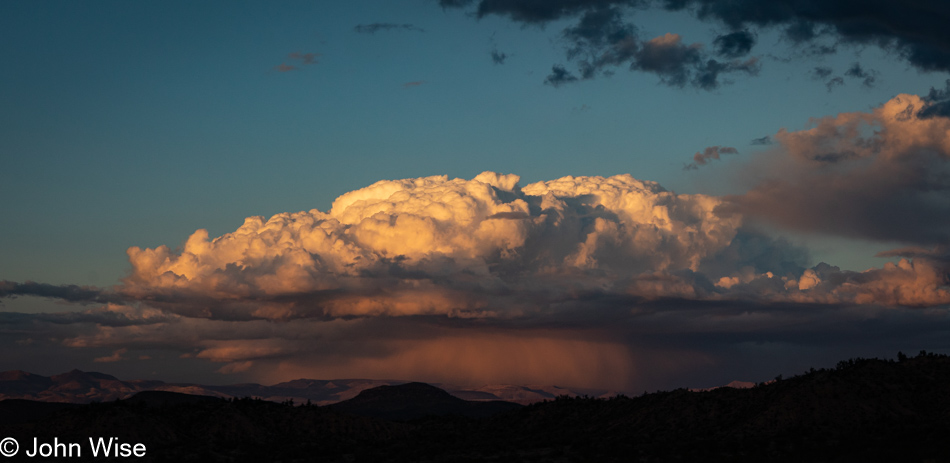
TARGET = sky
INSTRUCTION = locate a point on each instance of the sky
(616, 194)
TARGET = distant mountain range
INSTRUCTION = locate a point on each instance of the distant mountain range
(85, 387)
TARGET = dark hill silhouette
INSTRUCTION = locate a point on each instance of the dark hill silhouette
(864, 410)
(416, 400)
(18, 411)
(166, 398)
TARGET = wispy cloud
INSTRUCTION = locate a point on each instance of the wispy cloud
(115, 357)
(868, 77)
(298, 59)
(71, 293)
(498, 57)
(559, 76)
(711, 153)
(304, 58)
(834, 83)
(385, 27)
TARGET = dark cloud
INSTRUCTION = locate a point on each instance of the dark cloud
(868, 76)
(414, 83)
(498, 57)
(678, 64)
(71, 293)
(710, 153)
(938, 109)
(559, 76)
(821, 72)
(454, 3)
(916, 29)
(670, 59)
(939, 95)
(385, 27)
(937, 103)
(600, 41)
(816, 49)
(800, 31)
(735, 44)
(537, 12)
(707, 75)
(766, 140)
(833, 83)
(110, 316)
(601, 38)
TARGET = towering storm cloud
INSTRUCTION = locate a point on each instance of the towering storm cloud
(433, 245)
(488, 248)
(589, 281)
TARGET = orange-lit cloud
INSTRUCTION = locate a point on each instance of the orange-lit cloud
(487, 247)
(438, 246)
(115, 357)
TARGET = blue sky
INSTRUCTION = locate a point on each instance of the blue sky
(136, 123)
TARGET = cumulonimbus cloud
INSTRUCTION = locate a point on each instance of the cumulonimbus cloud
(482, 279)
(435, 245)
(487, 247)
